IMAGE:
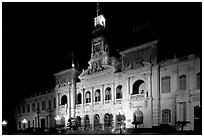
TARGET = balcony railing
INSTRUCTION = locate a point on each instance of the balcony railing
(138, 96)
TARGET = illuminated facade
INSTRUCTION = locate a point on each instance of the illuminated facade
(133, 91)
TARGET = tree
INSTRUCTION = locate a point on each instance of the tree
(182, 124)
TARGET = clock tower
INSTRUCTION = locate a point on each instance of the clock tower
(100, 48)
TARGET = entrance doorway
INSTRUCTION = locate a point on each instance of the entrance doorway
(138, 119)
(42, 123)
(197, 119)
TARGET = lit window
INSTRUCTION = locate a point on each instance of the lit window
(64, 100)
(182, 82)
(97, 96)
(88, 97)
(79, 98)
(165, 84)
(198, 80)
(137, 87)
(43, 105)
(33, 107)
(166, 116)
(19, 110)
(50, 104)
(54, 102)
(108, 93)
(119, 92)
(28, 108)
(23, 109)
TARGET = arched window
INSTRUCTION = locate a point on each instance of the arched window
(108, 120)
(166, 116)
(119, 93)
(64, 100)
(165, 84)
(108, 93)
(97, 95)
(138, 87)
(86, 122)
(88, 97)
(96, 122)
(79, 98)
(78, 121)
(198, 80)
(182, 82)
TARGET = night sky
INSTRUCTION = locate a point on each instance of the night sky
(38, 38)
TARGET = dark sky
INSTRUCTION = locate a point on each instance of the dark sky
(38, 38)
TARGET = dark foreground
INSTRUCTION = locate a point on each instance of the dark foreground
(108, 132)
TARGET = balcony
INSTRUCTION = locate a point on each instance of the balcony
(137, 97)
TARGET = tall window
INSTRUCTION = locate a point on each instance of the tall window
(54, 102)
(182, 82)
(23, 108)
(88, 97)
(38, 106)
(49, 104)
(19, 110)
(198, 80)
(97, 95)
(28, 108)
(165, 84)
(166, 116)
(108, 93)
(64, 100)
(43, 105)
(79, 98)
(119, 92)
(19, 124)
(33, 107)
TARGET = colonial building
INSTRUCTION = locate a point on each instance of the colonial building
(134, 91)
(51, 108)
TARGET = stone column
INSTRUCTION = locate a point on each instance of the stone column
(102, 94)
(82, 98)
(93, 95)
(187, 111)
(128, 88)
(113, 92)
(58, 101)
(177, 112)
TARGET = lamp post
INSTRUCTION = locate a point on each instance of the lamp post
(57, 119)
(24, 122)
(4, 124)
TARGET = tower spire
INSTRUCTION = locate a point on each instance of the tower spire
(72, 60)
(97, 9)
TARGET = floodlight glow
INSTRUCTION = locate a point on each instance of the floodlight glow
(4, 122)
(24, 121)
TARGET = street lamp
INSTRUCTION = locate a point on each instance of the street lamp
(24, 122)
(57, 119)
(4, 123)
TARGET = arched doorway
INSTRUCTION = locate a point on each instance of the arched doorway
(96, 122)
(138, 119)
(86, 122)
(78, 122)
(108, 120)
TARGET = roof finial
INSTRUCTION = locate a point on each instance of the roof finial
(97, 8)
